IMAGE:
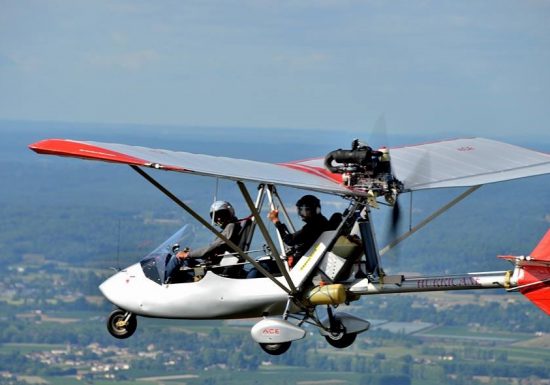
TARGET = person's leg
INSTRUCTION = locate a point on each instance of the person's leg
(174, 263)
(254, 273)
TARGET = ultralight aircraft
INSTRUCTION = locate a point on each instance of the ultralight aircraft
(341, 266)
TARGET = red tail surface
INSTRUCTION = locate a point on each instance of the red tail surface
(536, 278)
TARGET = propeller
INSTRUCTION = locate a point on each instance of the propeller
(395, 219)
(419, 173)
(414, 173)
(380, 132)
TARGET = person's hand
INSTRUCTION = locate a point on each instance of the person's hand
(273, 216)
(183, 254)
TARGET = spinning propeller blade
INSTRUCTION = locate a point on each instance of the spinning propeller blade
(395, 219)
(379, 134)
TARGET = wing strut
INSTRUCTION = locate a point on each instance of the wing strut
(272, 206)
(434, 215)
(274, 194)
(218, 234)
(261, 225)
(259, 203)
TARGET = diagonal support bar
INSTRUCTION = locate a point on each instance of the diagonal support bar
(430, 218)
(272, 206)
(274, 194)
(218, 234)
(261, 225)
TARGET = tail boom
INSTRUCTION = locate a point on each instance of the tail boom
(531, 277)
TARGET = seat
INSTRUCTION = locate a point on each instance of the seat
(334, 221)
(244, 235)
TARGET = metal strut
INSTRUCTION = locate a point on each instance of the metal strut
(218, 234)
(274, 194)
(261, 225)
(423, 223)
(259, 203)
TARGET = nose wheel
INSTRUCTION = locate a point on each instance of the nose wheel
(121, 323)
(275, 349)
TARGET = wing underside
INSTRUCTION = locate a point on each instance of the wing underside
(451, 163)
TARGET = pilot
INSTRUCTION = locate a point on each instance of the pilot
(223, 215)
(309, 209)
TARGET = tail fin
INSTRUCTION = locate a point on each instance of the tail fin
(535, 282)
(542, 251)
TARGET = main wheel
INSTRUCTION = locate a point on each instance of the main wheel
(275, 349)
(121, 324)
(340, 339)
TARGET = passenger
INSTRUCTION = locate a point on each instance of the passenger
(223, 215)
(309, 209)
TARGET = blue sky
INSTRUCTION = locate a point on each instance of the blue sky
(441, 67)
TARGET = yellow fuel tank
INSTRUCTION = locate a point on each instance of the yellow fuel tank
(327, 295)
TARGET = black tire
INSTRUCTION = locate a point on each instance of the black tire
(116, 326)
(341, 341)
(275, 349)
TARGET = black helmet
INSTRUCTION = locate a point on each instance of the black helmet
(308, 205)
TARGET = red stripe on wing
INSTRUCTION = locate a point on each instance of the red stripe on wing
(318, 171)
(76, 149)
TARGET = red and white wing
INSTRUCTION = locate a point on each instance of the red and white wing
(451, 163)
(465, 162)
(200, 164)
(456, 163)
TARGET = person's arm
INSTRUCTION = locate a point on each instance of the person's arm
(290, 239)
(216, 247)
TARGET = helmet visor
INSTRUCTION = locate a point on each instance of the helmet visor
(305, 211)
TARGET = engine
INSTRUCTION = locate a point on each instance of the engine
(367, 170)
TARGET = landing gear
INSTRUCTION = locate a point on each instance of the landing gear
(275, 349)
(121, 323)
(340, 339)
(341, 329)
(275, 335)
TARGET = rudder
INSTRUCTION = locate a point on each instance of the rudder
(534, 282)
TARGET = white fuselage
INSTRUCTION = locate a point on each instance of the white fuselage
(211, 297)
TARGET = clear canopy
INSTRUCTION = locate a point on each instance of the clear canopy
(154, 263)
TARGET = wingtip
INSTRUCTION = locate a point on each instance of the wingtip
(84, 150)
(42, 146)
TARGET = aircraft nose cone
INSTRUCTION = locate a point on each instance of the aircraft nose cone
(118, 290)
(112, 288)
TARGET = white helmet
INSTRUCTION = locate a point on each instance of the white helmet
(221, 205)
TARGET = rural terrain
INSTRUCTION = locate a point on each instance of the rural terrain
(66, 224)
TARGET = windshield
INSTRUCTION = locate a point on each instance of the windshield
(154, 263)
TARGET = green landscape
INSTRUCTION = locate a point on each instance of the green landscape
(66, 224)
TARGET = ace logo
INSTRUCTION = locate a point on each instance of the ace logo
(271, 331)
